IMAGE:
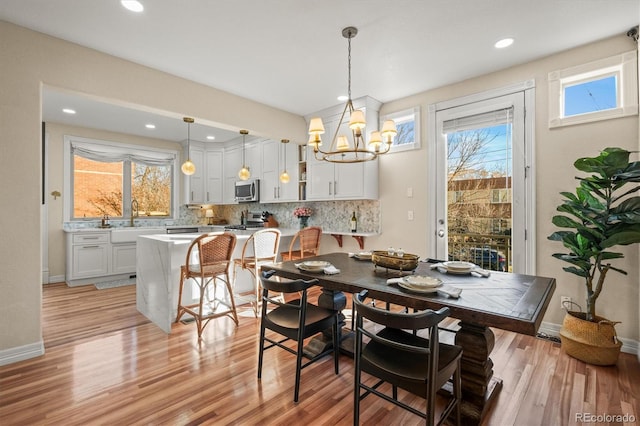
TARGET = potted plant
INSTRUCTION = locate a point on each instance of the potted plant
(602, 213)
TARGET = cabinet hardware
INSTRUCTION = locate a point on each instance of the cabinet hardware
(90, 247)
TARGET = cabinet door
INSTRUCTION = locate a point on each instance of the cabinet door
(196, 180)
(232, 164)
(320, 182)
(253, 158)
(289, 191)
(213, 190)
(90, 260)
(349, 180)
(269, 183)
(123, 258)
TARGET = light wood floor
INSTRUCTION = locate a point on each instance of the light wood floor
(105, 363)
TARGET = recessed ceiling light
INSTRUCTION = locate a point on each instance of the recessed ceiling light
(150, 126)
(505, 42)
(343, 98)
(211, 137)
(132, 5)
(68, 111)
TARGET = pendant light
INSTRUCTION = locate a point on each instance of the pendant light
(284, 176)
(340, 150)
(188, 168)
(244, 173)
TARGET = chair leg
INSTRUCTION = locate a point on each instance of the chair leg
(296, 392)
(234, 313)
(457, 392)
(180, 309)
(336, 346)
(261, 350)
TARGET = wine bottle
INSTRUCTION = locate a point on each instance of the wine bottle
(354, 222)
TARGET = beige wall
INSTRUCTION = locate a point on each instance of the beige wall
(555, 151)
(36, 58)
(31, 59)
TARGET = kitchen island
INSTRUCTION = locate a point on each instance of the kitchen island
(158, 261)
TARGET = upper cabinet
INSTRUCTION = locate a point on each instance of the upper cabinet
(273, 164)
(205, 185)
(345, 181)
(232, 164)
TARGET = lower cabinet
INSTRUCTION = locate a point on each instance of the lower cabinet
(123, 258)
(92, 258)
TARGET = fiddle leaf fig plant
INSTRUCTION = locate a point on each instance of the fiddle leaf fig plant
(602, 213)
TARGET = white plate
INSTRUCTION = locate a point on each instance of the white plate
(420, 281)
(364, 255)
(314, 265)
(459, 267)
(410, 287)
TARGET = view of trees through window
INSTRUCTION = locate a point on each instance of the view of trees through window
(479, 197)
(99, 188)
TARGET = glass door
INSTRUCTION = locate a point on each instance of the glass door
(480, 174)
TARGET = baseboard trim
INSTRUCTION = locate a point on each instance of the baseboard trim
(56, 279)
(629, 346)
(20, 353)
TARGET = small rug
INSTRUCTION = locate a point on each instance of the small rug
(115, 283)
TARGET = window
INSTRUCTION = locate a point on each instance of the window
(105, 178)
(500, 196)
(595, 91)
(408, 126)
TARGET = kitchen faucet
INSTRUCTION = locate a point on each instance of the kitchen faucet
(134, 210)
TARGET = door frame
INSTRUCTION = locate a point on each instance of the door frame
(527, 87)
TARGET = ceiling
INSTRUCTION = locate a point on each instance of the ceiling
(290, 54)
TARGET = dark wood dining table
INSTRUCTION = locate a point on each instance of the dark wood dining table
(508, 301)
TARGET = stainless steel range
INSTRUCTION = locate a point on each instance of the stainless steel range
(252, 220)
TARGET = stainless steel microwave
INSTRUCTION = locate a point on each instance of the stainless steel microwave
(248, 191)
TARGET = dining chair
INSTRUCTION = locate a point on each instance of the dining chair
(396, 356)
(295, 320)
(259, 249)
(305, 243)
(208, 261)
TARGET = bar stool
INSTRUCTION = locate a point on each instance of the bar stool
(264, 244)
(212, 255)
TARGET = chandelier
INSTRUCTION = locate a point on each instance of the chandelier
(341, 149)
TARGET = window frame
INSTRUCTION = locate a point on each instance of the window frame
(70, 140)
(415, 111)
(623, 66)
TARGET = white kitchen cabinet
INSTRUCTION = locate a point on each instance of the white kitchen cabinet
(196, 181)
(214, 182)
(123, 258)
(87, 255)
(344, 181)
(273, 163)
(232, 165)
(205, 185)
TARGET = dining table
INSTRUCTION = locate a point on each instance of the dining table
(503, 300)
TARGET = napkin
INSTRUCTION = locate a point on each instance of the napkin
(447, 290)
(331, 270)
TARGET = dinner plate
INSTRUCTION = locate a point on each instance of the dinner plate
(420, 281)
(458, 267)
(313, 265)
(413, 288)
(364, 255)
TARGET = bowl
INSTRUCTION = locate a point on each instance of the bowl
(406, 262)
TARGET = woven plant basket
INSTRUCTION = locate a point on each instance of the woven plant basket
(592, 342)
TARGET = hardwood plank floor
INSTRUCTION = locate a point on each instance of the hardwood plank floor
(105, 363)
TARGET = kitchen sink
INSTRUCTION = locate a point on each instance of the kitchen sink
(129, 234)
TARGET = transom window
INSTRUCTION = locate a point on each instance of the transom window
(595, 91)
(106, 178)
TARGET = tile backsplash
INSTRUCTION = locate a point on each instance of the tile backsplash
(330, 215)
